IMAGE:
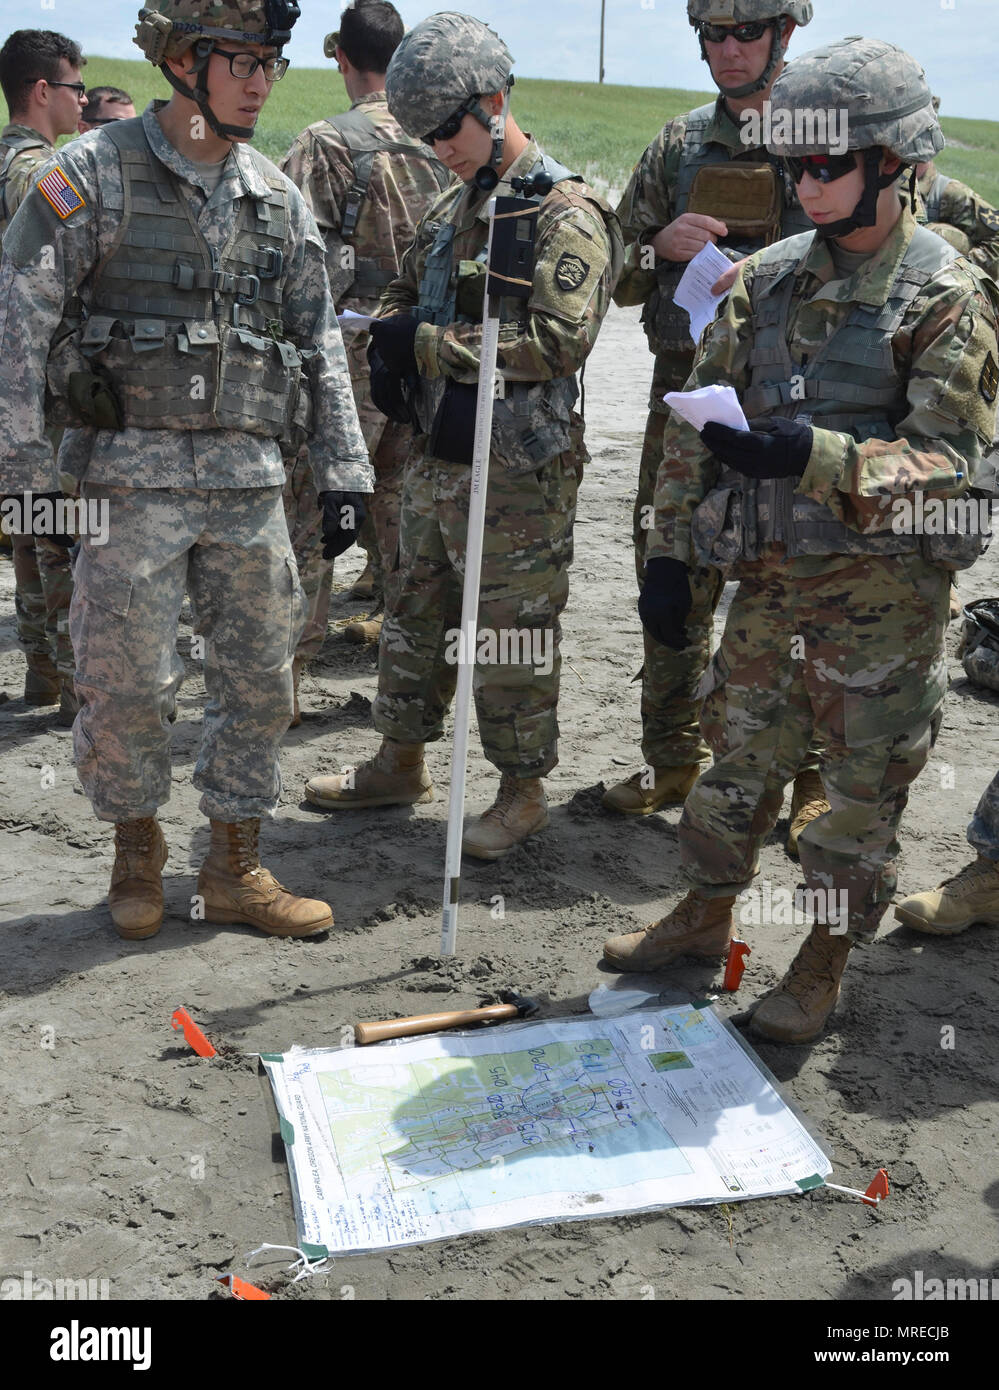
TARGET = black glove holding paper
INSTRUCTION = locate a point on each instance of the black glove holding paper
(772, 447)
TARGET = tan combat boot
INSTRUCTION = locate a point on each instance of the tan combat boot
(797, 1009)
(136, 896)
(237, 888)
(41, 680)
(520, 809)
(367, 631)
(697, 927)
(364, 585)
(669, 787)
(970, 896)
(808, 802)
(395, 776)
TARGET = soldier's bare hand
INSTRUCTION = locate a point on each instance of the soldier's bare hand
(687, 235)
(726, 280)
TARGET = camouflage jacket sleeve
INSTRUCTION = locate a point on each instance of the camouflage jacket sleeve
(577, 261)
(961, 207)
(337, 450)
(645, 208)
(44, 259)
(19, 177)
(402, 295)
(949, 351)
(324, 184)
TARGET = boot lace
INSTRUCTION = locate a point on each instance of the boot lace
(969, 876)
(135, 837)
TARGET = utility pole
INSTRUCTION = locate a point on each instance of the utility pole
(603, 10)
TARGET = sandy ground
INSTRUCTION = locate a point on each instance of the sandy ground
(128, 1159)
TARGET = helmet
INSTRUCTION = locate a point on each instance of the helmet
(746, 12)
(177, 25)
(441, 63)
(881, 94)
(882, 91)
(174, 26)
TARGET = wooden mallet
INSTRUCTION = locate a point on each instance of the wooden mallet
(516, 1006)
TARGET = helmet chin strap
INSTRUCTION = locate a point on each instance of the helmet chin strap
(865, 214)
(749, 88)
(487, 177)
(202, 51)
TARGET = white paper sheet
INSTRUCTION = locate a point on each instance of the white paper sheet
(348, 319)
(714, 402)
(694, 290)
(431, 1137)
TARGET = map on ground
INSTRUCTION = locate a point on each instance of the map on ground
(432, 1137)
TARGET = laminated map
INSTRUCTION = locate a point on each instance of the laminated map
(430, 1137)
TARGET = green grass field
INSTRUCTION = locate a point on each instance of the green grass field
(599, 130)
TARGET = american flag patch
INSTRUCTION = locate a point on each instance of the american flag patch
(57, 190)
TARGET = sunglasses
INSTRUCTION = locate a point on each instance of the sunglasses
(824, 168)
(742, 33)
(246, 64)
(78, 87)
(448, 129)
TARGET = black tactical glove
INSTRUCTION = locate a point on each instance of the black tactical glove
(343, 517)
(66, 542)
(389, 392)
(394, 339)
(452, 435)
(665, 601)
(772, 447)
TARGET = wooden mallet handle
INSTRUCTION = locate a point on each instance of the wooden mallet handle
(365, 1033)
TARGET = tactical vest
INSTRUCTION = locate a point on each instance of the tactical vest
(759, 208)
(932, 200)
(532, 421)
(14, 145)
(188, 338)
(363, 144)
(850, 384)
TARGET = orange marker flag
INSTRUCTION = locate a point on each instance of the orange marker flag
(193, 1035)
(239, 1288)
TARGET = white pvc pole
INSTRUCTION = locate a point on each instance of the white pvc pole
(470, 607)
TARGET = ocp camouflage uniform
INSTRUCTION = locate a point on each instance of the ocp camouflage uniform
(42, 570)
(531, 501)
(660, 190)
(192, 471)
(956, 212)
(838, 621)
(983, 832)
(404, 180)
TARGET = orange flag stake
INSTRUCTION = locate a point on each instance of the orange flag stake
(735, 964)
(193, 1035)
(239, 1288)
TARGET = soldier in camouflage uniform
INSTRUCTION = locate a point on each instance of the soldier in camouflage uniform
(368, 184)
(40, 76)
(209, 338)
(702, 179)
(956, 212)
(451, 77)
(865, 358)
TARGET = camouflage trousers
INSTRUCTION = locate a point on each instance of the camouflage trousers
(380, 530)
(983, 832)
(44, 578)
(670, 679)
(527, 550)
(228, 549)
(855, 651)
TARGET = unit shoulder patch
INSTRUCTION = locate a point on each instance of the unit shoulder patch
(570, 271)
(988, 382)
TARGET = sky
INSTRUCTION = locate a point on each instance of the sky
(648, 43)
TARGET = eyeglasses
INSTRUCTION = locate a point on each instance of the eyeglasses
(742, 33)
(246, 64)
(825, 168)
(79, 88)
(448, 129)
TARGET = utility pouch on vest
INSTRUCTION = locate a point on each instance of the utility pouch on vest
(93, 401)
(746, 197)
(980, 646)
(532, 424)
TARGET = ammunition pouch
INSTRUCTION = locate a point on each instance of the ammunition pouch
(93, 401)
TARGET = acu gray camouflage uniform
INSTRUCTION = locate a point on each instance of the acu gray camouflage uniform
(233, 334)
